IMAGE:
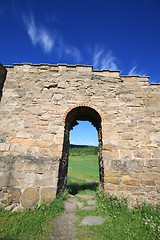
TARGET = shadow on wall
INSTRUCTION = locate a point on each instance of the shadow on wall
(3, 73)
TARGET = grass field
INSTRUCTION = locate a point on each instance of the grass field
(83, 173)
(84, 167)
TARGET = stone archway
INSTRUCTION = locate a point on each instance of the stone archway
(83, 113)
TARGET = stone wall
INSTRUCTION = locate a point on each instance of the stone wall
(35, 104)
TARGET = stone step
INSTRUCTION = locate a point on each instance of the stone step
(92, 220)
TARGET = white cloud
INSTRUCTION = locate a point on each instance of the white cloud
(134, 71)
(42, 37)
(38, 35)
(45, 40)
(108, 61)
(102, 60)
(73, 52)
(96, 58)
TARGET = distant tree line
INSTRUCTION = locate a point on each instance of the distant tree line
(79, 150)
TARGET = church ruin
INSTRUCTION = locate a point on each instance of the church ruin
(39, 105)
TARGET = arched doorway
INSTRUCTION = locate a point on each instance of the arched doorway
(85, 114)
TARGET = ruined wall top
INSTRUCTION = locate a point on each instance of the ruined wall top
(76, 67)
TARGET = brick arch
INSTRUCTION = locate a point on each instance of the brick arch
(82, 105)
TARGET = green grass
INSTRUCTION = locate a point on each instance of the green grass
(140, 223)
(28, 224)
(83, 173)
(83, 167)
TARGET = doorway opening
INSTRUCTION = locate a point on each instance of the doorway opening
(81, 113)
(83, 169)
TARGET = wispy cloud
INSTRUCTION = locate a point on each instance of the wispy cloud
(103, 60)
(133, 71)
(38, 35)
(73, 52)
(42, 36)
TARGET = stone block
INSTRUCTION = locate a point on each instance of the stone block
(116, 165)
(158, 188)
(1, 154)
(48, 194)
(4, 180)
(110, 187)
(125, 154)
(114, 180)
(156, 154)
(30, 197)
(148, 182)
(111, 153)
(142, 153)
(127, 136)
(23, 135)
(149, 189)
(26, 142)
(44, 144)
(155, 163)
(4, 147)
(133, 165)
(14, 195)
(127, 180)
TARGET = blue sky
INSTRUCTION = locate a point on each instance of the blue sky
(84, 134)
(108, 34)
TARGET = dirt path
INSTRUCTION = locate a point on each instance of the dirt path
(64, 226)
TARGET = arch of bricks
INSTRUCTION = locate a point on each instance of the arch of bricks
(35, 102)
(81, 105)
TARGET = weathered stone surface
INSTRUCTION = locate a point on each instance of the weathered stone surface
(85, 197)
(45, 144)
(14, 195)
(18, 209)
(91, 202)
(10, 207)
(148, 182)
(37, 99)
(92, 220)
(130, 181)
(27, 142)
(67, 222)
(48, 194)
(70, 207)
(3, 180)
(30, 197)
